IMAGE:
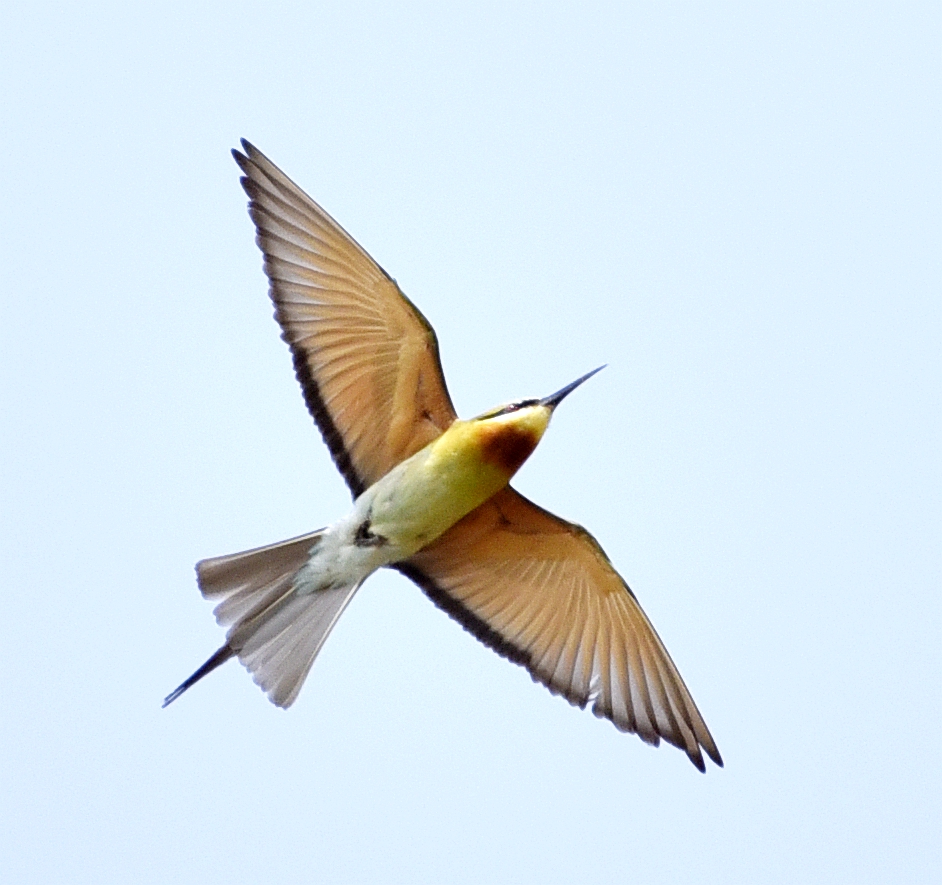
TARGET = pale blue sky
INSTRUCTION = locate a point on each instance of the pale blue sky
(735, 205)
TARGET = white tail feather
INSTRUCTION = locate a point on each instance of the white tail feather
(279, 654)
(275, 630)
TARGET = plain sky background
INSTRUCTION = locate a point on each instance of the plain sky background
(734, 205)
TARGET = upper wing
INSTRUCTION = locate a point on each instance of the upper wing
(366, 358)
(541, 592)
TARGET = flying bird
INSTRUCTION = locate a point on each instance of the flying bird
(431, 499)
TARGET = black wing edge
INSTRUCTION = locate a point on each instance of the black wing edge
(309, 388)
(493, 640)
(478, 628)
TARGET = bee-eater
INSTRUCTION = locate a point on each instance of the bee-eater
(431, 499)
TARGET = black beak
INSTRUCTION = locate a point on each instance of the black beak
(555, 399)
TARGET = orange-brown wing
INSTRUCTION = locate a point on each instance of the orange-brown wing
(366, 358)
(542, 592)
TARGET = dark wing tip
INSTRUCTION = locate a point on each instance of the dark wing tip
(245, 156)
(253, 191)
(696, 757)
(251, 156)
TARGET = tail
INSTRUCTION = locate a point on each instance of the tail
(275, 630)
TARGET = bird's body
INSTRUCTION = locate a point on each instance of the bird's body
(428, 493)
(431, 498)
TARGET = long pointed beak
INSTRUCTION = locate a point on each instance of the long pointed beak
(555, 399)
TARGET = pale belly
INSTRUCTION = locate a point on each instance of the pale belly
(407, 509)
(428, 493)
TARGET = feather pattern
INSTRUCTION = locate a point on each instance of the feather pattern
(541, 592)
(366, 358)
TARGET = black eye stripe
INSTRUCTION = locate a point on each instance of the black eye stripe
(506, 410)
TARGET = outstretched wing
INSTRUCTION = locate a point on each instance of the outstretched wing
(366, 358)
(542, 592)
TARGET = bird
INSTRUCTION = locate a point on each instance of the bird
(431, 498)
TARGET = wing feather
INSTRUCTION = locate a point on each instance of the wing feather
(366, 358)
(541, 592)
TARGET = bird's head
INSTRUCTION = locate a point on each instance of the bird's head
(509, 434)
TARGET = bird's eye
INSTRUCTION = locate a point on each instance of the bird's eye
(523, 404)
(514, 407)
(506, 410)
